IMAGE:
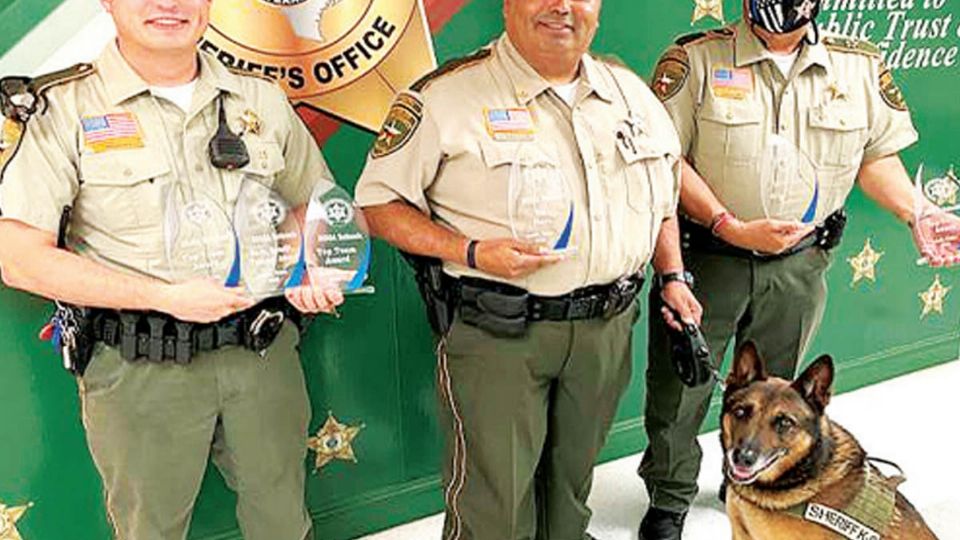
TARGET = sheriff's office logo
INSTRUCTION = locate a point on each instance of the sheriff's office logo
(401, 123)
(345, 57)
(891, 93)
(338, 211)
(671, 73)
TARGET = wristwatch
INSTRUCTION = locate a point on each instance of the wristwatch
(683, 277)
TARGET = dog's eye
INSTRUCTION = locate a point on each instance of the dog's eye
(740, 412)
(783, 424)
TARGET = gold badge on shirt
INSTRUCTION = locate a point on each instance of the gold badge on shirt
(347, 58)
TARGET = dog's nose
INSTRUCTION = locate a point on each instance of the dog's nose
(745, 457)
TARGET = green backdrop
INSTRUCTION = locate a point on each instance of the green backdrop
(374, 366)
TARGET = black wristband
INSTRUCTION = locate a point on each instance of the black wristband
(472, 254)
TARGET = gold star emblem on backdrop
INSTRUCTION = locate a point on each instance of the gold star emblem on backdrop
(865, 264)
(933, 298)
(334, 441)
(8, 521)
(707, 8)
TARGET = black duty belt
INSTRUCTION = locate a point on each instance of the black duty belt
(158, 337)
(825, 236)
(592, 302)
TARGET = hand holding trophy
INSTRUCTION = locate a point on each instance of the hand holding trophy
(936, 227)
(541, 208)
(789, 184)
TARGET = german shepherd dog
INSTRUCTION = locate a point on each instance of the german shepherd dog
(793, 474)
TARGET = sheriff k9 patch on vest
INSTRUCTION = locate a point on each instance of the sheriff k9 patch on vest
(401, 123)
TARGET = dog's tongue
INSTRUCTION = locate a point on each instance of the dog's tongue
(742, 473)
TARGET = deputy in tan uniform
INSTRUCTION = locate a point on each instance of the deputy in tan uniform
(468, 170)
(745, 99)
(184, 371)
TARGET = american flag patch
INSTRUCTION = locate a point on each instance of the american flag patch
(732, 83)
(510, 124)
(111, 132)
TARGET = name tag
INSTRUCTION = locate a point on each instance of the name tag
(732, 83)
(839, 522)
(510, 124)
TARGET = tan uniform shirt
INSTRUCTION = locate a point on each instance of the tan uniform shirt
(450, 150)
(729, 101)
(117, 175)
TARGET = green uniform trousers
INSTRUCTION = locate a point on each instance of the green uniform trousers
(776, 303)
(152, 426)
(524, 420)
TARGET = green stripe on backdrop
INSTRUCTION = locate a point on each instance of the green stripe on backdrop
(19, 17)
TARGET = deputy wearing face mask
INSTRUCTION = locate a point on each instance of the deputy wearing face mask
(777, 123)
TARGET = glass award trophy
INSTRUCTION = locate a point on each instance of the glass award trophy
(199, 238)
(338, 247)
(789, 184)
(540, 203)
(934, 195)
(270, 239)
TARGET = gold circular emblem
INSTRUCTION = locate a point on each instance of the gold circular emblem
(313, 47)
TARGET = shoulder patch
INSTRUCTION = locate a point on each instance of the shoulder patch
(890, 92)
(449, 67)
(11, 131)
(671, 73)
(402, 122)
(851, 45)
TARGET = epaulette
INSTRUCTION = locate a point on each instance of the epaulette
(45, 82)
(851, 45)
(449, 67)
(611, 59)
(245, 73)
(725, 32)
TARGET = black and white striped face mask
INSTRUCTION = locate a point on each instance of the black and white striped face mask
(783, 16)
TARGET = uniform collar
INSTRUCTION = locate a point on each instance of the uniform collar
(123, 83)
(528, 84)
(750, 50)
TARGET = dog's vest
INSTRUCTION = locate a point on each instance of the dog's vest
(866, 517)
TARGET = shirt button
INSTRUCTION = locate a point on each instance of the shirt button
(843, 122)
(198, 167)
(729, 116)
(127, 172)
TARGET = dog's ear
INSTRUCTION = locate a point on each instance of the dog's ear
(747, 367)
(815, 383)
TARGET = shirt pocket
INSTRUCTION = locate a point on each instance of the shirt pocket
(266, 164)
(732, 130)
(122, 190)
(837, 135)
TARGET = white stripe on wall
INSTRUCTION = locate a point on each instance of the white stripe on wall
(74, 32)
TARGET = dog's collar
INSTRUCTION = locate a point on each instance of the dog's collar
(868, 514)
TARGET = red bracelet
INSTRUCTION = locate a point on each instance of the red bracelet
(719, 221)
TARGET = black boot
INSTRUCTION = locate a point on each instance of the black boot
(661, 525)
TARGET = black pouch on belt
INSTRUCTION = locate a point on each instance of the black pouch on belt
(496, 308)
